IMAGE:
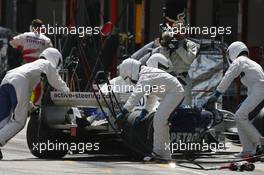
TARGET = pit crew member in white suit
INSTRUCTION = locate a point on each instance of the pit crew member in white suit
(17, 86)
(164, 86)
(252, 76)
(159, 61)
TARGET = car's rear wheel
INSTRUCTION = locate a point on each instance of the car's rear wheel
(43, 142)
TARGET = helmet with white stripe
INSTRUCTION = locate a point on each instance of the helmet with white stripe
(235, 49)
(53, 56)
(159, 61)
(130, 68)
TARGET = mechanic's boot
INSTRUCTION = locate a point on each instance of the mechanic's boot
(149, 158)
(243, 154)
(154, 158)
(260, 150)
(1, 155)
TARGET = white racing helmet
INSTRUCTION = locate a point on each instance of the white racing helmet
(159, 61)
(129, 69)
(53, 56)
(234, 50)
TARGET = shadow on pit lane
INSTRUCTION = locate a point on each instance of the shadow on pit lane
(85, 158)
(122, 158)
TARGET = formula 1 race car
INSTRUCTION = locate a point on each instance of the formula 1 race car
(84, 122)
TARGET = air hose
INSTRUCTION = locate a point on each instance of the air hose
(231, 164)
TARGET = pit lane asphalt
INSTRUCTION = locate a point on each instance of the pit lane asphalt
(18, 161)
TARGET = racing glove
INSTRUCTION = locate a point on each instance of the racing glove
(33, 110)
(141, 117)
(209, 105)
(121, 118)
(66, 90)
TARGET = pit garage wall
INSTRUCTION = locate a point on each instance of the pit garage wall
(46, 14)
(203, 17)
(254, 13)
(155, 18)
(255, 35)
(154, 15)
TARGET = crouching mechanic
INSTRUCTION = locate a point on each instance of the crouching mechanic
(164, 86)
(252, 76)
(159, 61)
(16, 88)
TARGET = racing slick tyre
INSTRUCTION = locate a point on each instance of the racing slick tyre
(42, 142)
(139, 137)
